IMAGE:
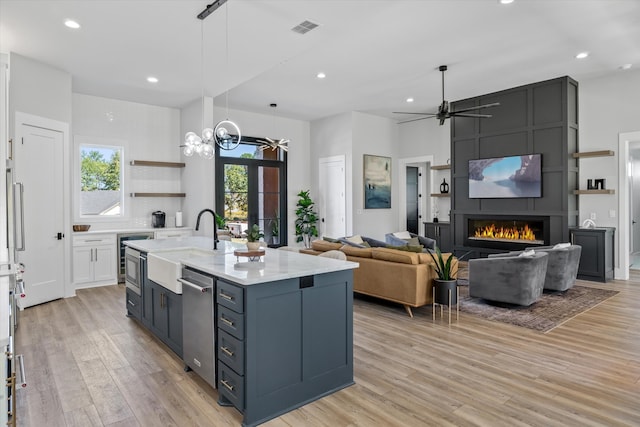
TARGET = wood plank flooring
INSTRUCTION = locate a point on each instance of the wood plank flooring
(89, 365)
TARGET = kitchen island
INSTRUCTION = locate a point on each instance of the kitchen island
(283, 325)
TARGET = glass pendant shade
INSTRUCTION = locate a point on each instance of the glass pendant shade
(223, 135)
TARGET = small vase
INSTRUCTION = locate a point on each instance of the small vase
(444, 187)
(253, 246)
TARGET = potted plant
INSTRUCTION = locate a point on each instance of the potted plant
(306, 219)
(275, 230)
(221, 225)
(445, 284)
(253, 237)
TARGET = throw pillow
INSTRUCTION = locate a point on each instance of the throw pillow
(404, 235)
(527, 253)
(407, 248)
(330, 239)
(414, 241)
(355, 239)
(562, 246)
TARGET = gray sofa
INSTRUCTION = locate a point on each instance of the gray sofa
(510, 279)
(562, 266)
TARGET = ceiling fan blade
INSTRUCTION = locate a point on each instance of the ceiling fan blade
(462, 110)
(442, 121)
(414, 120)
(470, 115)
(423, 114)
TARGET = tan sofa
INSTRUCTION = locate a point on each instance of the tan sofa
(391, 274)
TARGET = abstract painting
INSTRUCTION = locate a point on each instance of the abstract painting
(377, 182)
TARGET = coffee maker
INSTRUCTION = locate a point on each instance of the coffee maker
(157, 219)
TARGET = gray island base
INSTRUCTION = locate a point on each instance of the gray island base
(284, 329)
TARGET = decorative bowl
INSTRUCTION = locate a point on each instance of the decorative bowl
(81, 227)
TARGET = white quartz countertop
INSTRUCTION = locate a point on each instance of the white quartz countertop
(274, 265)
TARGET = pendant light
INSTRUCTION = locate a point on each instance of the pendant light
(271, 143)
(203, 145)
(226, 133)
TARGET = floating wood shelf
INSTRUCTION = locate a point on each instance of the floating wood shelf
(156, 164)
(594, 192)
(440, 167)
(158, 194)
(604, 153)
(440, 195)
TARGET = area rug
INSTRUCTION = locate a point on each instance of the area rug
(552, 310)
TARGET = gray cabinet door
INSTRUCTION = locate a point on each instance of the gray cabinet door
(173, 309)
(299, 335)
(441, 233)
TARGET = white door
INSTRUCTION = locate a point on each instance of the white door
(332, 197)
(39, 166)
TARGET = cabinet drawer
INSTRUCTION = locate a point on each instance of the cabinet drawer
(94, 240)
(133, 304)
(231, 351)
(168, 234)
(231, 322)
(231, 386)
(230, 296)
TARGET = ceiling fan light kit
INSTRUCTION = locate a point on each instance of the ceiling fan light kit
(445, 113)
(273, 143)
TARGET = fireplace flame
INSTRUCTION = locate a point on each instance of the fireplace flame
(509, 233)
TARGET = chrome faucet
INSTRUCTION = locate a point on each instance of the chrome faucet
(215, 231)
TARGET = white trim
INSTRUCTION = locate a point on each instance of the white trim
(622, 272)
(402, 189)
(62, 127)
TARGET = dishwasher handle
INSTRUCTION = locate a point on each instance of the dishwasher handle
(202, 289)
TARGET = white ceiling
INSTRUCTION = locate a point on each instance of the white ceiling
(376, 53)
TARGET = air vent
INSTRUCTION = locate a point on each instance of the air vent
(304, 27)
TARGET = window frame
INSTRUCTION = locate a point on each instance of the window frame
(84, 142)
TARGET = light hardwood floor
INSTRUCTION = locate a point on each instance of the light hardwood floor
(89, 365)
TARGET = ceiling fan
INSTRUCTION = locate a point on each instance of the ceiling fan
(443, 110)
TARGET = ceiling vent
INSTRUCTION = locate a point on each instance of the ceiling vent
(304, 27)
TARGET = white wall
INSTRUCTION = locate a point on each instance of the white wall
(198, 176)
(147, 132)
(332, 136)
(38, 89)
(377, 136)
(607, 106)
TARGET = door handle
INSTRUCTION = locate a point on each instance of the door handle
(59, 236)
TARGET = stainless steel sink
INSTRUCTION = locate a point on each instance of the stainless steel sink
(165, 268)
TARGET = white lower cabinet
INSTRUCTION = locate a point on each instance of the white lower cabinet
(168, 234)
(94, 260)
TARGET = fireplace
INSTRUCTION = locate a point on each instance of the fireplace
(507, 232)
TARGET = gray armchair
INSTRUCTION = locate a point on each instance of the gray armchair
(562, 267)
(391, 239)
(511, 279)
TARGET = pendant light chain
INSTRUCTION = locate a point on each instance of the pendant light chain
(226, 49)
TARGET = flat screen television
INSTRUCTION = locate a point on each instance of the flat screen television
(506, 177)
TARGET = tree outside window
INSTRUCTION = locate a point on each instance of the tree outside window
(100, 180)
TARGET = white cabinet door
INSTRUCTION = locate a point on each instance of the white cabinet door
(104, 264)
(82, 264)
(168, 234)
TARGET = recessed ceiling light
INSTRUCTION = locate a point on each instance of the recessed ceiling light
(72, 24)
(625, 66)
(321, 75)
(506, 1)
(152, 79)
(409, 99)
(582, 55)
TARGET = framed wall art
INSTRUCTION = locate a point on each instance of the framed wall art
(377, 182)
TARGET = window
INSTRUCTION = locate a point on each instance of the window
(251, 189)
(100, 183)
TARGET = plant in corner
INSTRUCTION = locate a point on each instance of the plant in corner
(253, 237)
(275, 229)
(445, 284)
(306, 219)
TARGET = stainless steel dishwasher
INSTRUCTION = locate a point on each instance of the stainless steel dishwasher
(198, 314)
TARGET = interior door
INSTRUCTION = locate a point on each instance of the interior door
(39, 166)
(331, 197)
(412, 199)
